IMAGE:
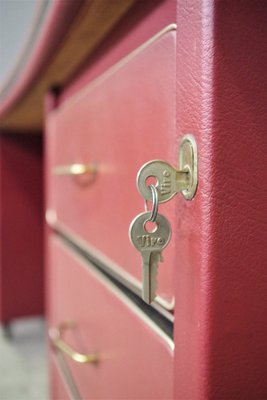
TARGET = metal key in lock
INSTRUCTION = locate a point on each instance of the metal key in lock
(150, 244)
(170, 180)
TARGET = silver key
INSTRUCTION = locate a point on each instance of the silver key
(150, 245)
(170, 181)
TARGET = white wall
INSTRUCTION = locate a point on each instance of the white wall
(15, 19)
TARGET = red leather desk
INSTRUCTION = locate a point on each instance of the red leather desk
(218, 349)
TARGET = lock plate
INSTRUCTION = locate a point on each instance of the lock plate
(187, 161)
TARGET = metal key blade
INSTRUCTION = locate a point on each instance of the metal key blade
(150, 245)
(155, 258)
(146, 271)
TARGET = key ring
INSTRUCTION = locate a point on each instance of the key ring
(155, 201)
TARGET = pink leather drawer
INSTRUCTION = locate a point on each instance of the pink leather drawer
(121, 120)
(135, 357)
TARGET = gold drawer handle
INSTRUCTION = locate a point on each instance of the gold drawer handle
(55, 335)
(75, 169)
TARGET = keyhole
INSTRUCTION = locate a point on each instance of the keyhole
(150, 227)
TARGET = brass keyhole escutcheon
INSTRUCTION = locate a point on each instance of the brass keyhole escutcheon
(187, 160)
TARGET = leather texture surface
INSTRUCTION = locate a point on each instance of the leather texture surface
(134, 361)
(119, 121)
(221, 282)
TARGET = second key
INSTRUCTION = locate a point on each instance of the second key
(150, 243)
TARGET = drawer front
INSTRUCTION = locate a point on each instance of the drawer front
(135, 358)
(123, 119)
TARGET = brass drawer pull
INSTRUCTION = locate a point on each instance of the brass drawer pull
(55, 335)
(75, 169)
